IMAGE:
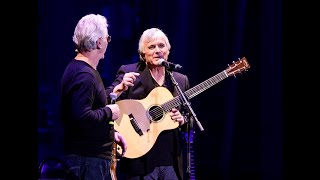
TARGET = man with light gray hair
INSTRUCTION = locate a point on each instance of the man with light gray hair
(88, 118)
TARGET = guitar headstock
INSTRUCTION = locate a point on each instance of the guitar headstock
(237, 67)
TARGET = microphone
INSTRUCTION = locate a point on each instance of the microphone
(169, 65)
(113, 97)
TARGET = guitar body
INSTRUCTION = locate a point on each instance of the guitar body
(137, 111)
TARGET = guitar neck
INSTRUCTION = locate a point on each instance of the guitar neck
(206, 84)
(189, 149)
(192, 163)
(192, 92)
(113, 164)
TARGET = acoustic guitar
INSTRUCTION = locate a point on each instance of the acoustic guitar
(141, 121)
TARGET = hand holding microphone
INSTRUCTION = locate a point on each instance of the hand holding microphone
(114, 107)
(118, 137)
(115, 111)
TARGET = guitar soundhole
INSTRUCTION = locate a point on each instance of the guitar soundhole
(155, 113)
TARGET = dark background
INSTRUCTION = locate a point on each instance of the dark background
(242, 117)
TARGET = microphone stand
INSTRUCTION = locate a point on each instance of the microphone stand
(192, 117)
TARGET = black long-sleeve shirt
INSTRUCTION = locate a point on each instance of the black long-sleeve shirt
(84, 112)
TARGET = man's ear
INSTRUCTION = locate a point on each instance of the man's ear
(142, 56)
(99, 43)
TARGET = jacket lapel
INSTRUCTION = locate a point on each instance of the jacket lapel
(146, 79)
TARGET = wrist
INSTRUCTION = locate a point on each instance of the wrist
(119, 88)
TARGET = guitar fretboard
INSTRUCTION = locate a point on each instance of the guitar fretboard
(192, 168)
(192, 173)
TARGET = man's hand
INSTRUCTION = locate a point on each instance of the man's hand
(128, 80)
(120, 140)
(177, 116)
(115, 110)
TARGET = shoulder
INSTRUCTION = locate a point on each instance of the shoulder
(82, 72)
(180, 75)
(182, 79)
(130, 67)
(80, 66)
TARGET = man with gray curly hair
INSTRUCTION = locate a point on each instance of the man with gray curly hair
(88, 118)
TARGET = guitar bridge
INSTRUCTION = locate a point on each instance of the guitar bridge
(135, 125)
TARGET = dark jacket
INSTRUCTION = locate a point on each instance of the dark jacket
(141, 89)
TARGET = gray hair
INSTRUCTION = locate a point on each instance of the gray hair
(88, 30)
(151, 35)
